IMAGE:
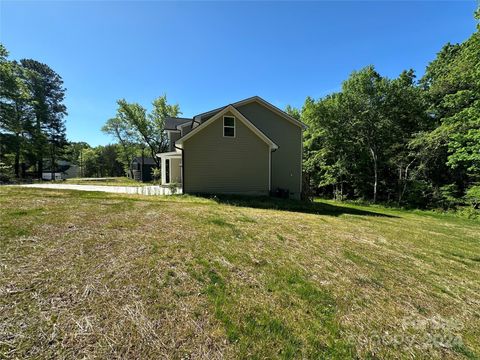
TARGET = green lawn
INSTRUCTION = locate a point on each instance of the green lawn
(115, 276)
(115, 181)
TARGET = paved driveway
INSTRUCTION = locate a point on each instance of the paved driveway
(141, 190)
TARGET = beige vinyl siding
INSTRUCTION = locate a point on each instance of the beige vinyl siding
(286, 160)
(217, 164)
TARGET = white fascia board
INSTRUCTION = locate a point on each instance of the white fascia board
(264, 103)
(169, 154)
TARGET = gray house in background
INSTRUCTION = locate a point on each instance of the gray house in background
(62, 170)
(141, 168)
(249, 147)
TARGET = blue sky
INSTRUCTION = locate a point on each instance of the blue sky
(207, 54)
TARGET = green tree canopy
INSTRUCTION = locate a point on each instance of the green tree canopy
(134, 126)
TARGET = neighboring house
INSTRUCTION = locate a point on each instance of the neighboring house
(141, 168)
(63, 170)
(48, 175)
(249, 147)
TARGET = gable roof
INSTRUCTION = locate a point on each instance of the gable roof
(171, 123)
(238, 115)
(146, 160)
(262, 102)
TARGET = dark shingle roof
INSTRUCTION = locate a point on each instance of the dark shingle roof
(171, 123)
(146, 160)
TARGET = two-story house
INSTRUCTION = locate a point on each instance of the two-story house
(249, 147)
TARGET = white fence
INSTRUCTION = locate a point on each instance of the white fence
(139, 190)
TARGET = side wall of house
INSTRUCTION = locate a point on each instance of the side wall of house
(287, 159)
(217, 164)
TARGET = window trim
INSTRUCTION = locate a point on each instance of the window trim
(229, 127)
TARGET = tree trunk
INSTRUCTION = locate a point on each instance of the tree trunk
(17, 141)
(405, 180)
(40, 165)
(17, 164)
(39, 149)
(375, 171)
(81, 163)
(128, 159)
(17, 157)
(52, 165)
(155, 157)
(399, 198)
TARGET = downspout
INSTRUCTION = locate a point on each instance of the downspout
(183, 155)
(271, 171)
(183, 169)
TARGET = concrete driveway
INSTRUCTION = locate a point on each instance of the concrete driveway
(140, 190)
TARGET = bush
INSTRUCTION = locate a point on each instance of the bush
(420, 194)
(472, 196)
(449, 197)
(469, 212)
(156, 174)
(173, 188)
(6, 173)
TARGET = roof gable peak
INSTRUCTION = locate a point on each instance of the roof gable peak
(262, 102)
(238, 115)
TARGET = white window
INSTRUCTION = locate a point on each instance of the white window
(167, 171)
(228, 126)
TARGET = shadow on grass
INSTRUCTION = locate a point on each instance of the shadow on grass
(265, 202)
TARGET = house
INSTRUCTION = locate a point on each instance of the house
(249, 147)
(141, 168)
(63, 170)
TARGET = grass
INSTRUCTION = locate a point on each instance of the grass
(115, 181)
(86, 274)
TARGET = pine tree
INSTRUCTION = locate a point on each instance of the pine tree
(48, 93)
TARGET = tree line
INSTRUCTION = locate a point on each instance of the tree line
(408, 141)
(402, 140)
(138, 131)
(32, 115)
(97, 161)
(32, 126)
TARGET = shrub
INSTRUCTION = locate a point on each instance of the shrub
(156, 174)
(173, 188)
(469, 212)
(472, 196)
(420, 194)
(449, 196)
(6, 173)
